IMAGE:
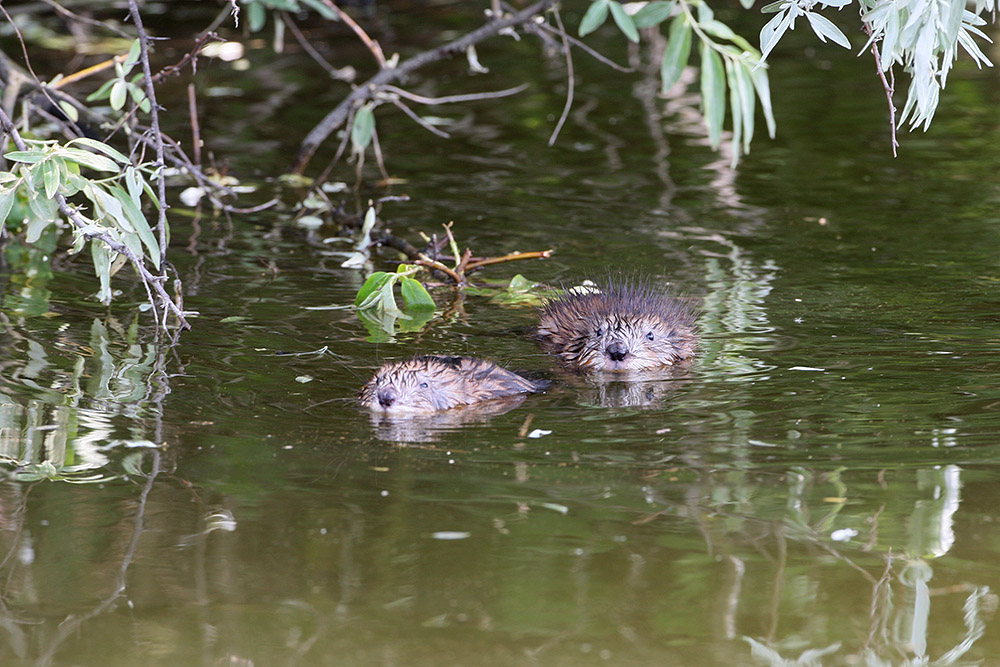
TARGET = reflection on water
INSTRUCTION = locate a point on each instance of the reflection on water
(81, 422)
(521, 563)
(432, 427)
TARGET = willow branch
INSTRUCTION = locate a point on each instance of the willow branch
(889, 89)
(154, 126)
(89, 231)
(370, 89)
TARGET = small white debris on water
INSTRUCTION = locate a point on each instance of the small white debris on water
(225, 51)
(310, 222)
(191, 196)
(555, 507)
(805, 368)
(539, 433)
(843, 535)
(451, 535)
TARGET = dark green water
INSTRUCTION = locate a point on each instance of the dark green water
(823, 480)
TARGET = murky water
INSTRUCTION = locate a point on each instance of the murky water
(822, 483)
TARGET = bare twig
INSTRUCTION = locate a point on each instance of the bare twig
(195, 129)
(889, 89)
(586, 49)
(377, 147)
(514, 256)
(372, 45)
(438, 266)
(87, 72)
(343, 74)
(78, 18)
(418, 120)
(570, 79)
(190, 57)
(387, 75)
(385, 238)
(250, 209)
(451, 99)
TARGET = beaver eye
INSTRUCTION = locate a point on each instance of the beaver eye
(423, 385)
(649, 336)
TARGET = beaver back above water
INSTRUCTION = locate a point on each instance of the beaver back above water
(430, 383)
(621, 326)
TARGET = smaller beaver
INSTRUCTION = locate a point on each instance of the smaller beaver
(621, 326)
(430, 383)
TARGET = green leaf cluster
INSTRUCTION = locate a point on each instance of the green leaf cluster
(111, 205)
(117, 90)
(730, 67)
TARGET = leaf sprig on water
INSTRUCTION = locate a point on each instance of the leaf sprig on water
(376, 300)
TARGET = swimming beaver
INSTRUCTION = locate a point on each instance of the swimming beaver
(621, 326)
(429, 383)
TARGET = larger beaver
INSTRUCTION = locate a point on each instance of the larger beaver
(426, 384)
(623, 325)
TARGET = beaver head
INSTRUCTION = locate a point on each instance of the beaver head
(427, 384)
(622, 326)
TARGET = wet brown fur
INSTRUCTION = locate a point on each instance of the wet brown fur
(625, 325)
(427, 384)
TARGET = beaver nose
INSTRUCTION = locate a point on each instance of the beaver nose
(617, 351)
(387, 397)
